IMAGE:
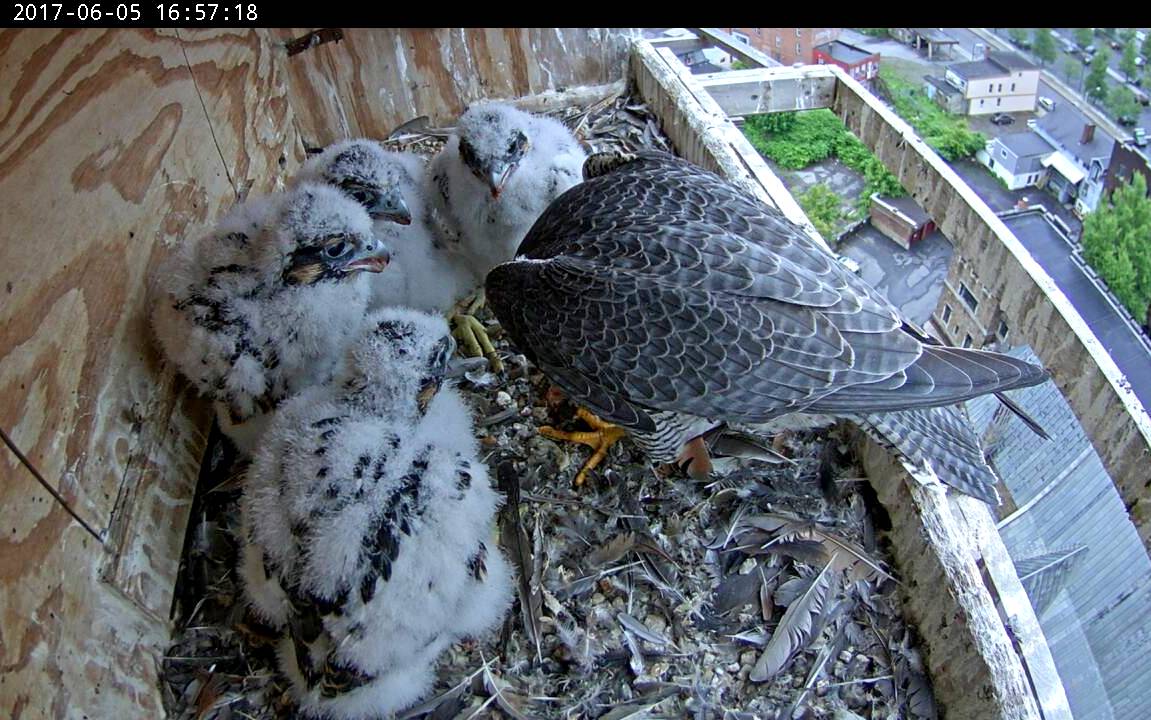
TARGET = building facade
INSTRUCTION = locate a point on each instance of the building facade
(1002, 82)
(1079, 169)
(787, 45)
(1126, 160)
(1017, 159)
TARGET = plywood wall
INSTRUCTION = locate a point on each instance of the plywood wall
(115, 147)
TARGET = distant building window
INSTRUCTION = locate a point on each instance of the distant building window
(1012, 87)
(966, 341)
(1002, 330)
(742, 38)
(998, 102)
(778, 41)
(798, 49)
(990, 87)
(1002, 153)
(797, 31)
(967, 297)
(946, 313)
(980, 102)
(1000, 88)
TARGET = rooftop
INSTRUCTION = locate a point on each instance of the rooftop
(908, 207)
(997, 64)
(1011, 61)
(934, 35)
(844, 53)
(1066, 129)
(1025, 144)
(942, 85)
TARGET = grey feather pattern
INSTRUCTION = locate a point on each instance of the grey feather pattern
(794, 631)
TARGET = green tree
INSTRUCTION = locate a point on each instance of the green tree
(1122, 103)
(1116, 243)
(1145, 51)
(1126, 35)
(1096, 83)
(822, 207)
(1083, 37)
(1017, 35)
(1073, 71)
(1044, 45)
(1127, 63)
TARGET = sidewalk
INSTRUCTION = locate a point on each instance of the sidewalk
(1062, 88)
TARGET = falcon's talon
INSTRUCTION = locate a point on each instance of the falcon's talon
(600, 439)
(473, 338)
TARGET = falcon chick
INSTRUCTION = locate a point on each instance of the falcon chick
(251, 312)
(368, 520)
(668, 301)
(495, 176)
(393, 187)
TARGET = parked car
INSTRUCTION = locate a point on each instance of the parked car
(1046, 103)
(1127, 120)
(1002, 119)
(1140, 136)
(1089, 50)
(850, 263)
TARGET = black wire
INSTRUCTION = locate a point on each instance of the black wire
(40, 479)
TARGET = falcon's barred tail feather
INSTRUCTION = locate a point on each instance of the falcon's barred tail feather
(941, 436)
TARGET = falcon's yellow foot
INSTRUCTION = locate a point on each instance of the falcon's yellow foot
(472, 336)
(601, 438)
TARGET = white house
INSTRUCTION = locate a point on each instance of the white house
(1018, 159)
(1002, 82)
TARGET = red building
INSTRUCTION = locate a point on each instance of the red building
(787, 45)
(859, 63)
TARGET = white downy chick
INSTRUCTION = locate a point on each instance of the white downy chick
(368, 519)
(263, 306)
(393, 187)
(495, 176)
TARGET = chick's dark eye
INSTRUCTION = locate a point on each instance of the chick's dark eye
(361, 196)
(336, 250)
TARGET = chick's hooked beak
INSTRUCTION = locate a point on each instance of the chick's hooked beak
(390, 206)
(498, 176)
(439, 368)
(373, 256)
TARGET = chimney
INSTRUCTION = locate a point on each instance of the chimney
(1088, 134)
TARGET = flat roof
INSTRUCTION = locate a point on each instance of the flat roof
(942, 85)
(977, 69)
(906, 206)
(844, 53)
(1025, 144)
(934, 35)
(996, 65)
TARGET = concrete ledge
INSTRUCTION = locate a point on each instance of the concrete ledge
(975, 671)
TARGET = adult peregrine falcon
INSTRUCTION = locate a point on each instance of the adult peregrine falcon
(667, 301)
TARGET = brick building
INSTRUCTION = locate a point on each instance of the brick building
(787, 45)
(857, 62)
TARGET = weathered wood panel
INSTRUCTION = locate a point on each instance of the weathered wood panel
(242, 79)
(975, 671)
(373, 80)
(107, 160)
(1037, 311)
(71, 646)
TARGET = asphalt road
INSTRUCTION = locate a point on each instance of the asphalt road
(1125, 348)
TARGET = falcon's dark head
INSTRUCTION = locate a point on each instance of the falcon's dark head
(366, 173)
(401, 362)
(325, 237)
(494, 139)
